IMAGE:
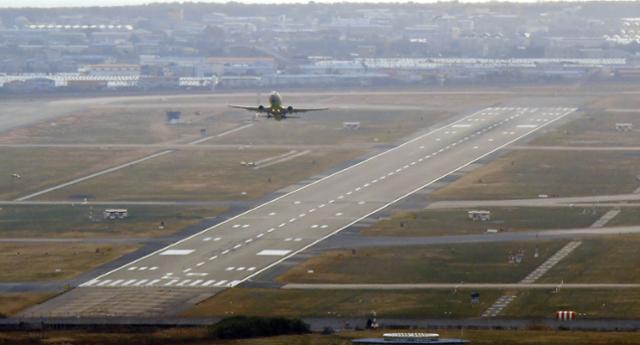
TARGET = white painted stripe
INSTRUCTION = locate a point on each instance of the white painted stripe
(116, 282)
(177, 252)
(141, 282)
(104, 282)
(172, 282)
(128, 282)
(151, 283)
(208, 282)
(274, 252)
(89, 283)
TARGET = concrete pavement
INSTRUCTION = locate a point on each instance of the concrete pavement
(460, 286)
(620, 200)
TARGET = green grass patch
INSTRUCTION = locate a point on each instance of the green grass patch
(121, 124)
(204, 175)
(627, 216)
(40, 168)
(614, 304)
(240, 327)
(84, 220)
(612, 259)
(198, 336)
(527, 174)
(309, 303)
(470, 263)
(455, 221)
(594, 129)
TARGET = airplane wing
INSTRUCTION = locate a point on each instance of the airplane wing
(304, 110)
(250, 108)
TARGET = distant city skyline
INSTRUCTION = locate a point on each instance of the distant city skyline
(88, 3)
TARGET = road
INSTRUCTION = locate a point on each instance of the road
(225, 203)
(576, 148)
(242, 247)
(618, 200)
(349, 240)
(460, 286)
(176, 146)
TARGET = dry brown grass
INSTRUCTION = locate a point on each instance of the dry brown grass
(11, 303)
(204, 175)
(527, 174)
(40, 262)
(40, 168)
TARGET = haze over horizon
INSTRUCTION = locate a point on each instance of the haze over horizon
(89, 3)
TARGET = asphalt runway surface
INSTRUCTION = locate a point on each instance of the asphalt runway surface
(238, 249)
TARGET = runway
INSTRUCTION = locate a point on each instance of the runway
(242, 247)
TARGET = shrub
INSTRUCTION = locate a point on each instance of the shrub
(238, 327)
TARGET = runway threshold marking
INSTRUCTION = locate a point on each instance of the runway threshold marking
(177, 252)
(273, 252)
(290, 253)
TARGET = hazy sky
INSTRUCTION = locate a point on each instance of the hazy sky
(56, 3)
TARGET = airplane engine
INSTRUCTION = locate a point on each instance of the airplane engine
(261, 108)
(289, 109)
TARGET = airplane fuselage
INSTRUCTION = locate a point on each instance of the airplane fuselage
(275, 108)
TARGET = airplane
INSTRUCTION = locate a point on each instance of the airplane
(275, 109)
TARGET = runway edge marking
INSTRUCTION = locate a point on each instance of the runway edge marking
(325, 178)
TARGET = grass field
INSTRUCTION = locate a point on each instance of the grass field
(597, 128)
(627, 216)
(455, 222)
(204, 175)
(617, 100)
(527, 174)
(84, 221)
(40, 262)
(471, 263)
(11, 303)
(40, 168)
(325, 128)
(600, 260)
(307, 303)
(623, 304)
(198, 336)
(121, 125)
(143, 120)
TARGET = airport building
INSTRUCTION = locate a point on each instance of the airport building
(410, 338)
